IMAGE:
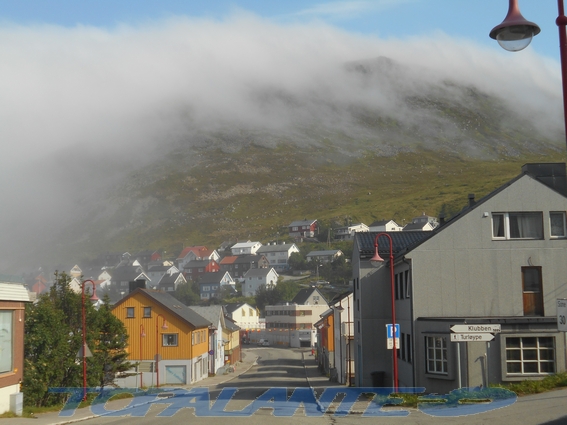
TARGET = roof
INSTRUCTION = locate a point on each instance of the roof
(401, 242)
(169, 278)
(303, 295)
(199, 251)
(229, 259)
(259, 272)
(197, 263)
(276, 248)
(341, 296)
(212, 313)
(8, 278)
(213, 277)
(244, 245)
(232, 307)
(323, 253)
(249, 258)
(173, 305)
(126, 273)
(302, 223)
(13, 292)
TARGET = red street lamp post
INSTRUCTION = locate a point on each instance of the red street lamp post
(142, 335)
(93, 299)
(164, 327)
(515, 33)
(375, 261)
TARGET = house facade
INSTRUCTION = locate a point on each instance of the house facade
(347, 232)
(194, 269)
(13, 298)
(385, 226)
(159, 325)
(327, 256)
(278, 254)
(245, 316)
(254, 278)
(196, 253)
(210, 284)
(498, 264)
(245, 248)
(303, 228)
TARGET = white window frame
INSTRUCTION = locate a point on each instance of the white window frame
(7, 340)
(435, 362)
(564, 233)
(538, 358)
(165, 340)
(506, 225)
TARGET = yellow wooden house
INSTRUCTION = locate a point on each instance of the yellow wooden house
(168, 339)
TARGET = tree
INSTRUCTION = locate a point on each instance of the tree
(297, 261)
(185, 293)
(53, 337)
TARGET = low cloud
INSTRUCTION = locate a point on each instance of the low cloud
(76, 101)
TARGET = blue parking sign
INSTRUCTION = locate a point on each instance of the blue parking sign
(389, 331)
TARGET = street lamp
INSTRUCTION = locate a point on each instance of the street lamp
(515, 32)
(93, 299)
(376, 260)
(164, 327)
(142, 335)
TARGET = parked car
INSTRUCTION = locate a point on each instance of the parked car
(264, 342)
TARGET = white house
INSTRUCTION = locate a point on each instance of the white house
(244, 315)
(278, 254)
(254, 278)
(245, 248)
(385, 226)
(348, 232)
(215, 315)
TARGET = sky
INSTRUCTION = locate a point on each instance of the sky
(87, 85)
(471, 20)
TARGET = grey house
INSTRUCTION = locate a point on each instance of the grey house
(500, 262)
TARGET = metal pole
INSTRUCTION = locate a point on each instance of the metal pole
(394, 351)
(84, 342)
(561, 22)
(459, 363)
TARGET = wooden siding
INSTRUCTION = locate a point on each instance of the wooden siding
(145, 348)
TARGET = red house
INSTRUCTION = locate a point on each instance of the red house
(305, 228)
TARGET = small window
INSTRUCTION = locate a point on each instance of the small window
(147, 312)
(532, 291)
(557, 224)
(436, 354)
(129, 312)
(169, 340)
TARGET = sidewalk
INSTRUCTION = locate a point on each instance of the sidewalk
(53, 418)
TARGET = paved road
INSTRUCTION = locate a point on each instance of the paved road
(295, 369)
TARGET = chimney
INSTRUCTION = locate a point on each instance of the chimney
(441, 219)
(136, 284)
(471, 200)
(551, 174)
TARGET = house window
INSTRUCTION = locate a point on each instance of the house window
(169, 340)
(532, 291)
(408, 348)
(147, 312)
(525, 225)
(530, 355)
(557, 224)
(407, 284)
(129, 311)
(436, 360)
(6, 340)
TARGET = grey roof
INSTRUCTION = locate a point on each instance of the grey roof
(275, 248)
(197, 263)
(323, 253)
(167, 278)
(258, 272)
(126, 273)
(302, 223)
(13, 292)
(173, 305)
(213, 277)
(415, 226)
(401, 242)
(304, 294)
(248, 259)
(212, 313)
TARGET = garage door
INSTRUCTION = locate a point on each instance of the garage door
(175, 375)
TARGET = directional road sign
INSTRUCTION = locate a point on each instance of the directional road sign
(471, 337)
(481, 328)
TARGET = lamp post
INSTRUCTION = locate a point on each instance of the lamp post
(93, 299)
(142, 335)
(375, 261)
(164, 327)
(515, 33)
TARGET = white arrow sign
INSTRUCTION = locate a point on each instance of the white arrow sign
(476, 328)
(471, 337)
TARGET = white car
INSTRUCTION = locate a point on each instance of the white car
(266, 343)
